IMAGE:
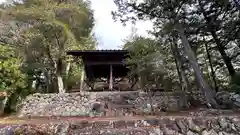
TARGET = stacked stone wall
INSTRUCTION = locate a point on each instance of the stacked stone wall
(98, 103)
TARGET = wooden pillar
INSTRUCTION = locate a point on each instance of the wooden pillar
(111, 78)
(82, 79)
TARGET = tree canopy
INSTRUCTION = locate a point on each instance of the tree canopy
(39, 33)
(203, 36)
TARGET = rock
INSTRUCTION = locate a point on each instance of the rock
(236, 99)
(9, 131)
(62, 129)
(182, 125)
(34, 130)
(211, 132)
(97, 107)
(193, 127)
(228, 100)
(85, 100)
(167, 131)
(224, 133)
(191, 133)
(223, 123)
(223, 98)
(66, 113)
(236, 123)
(152, 122)
(156, 131)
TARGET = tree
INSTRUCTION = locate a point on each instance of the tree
(212, 12)
(145, 61)
(47, 29)
(169, 15)
(151, 62)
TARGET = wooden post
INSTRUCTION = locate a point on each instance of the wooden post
(111, 79)
(82, 79)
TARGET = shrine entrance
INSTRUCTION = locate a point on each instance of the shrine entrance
(105, 70)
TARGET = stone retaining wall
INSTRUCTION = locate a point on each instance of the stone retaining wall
(158, 126)
(97, 104)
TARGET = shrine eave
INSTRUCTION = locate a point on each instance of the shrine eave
(95, 52)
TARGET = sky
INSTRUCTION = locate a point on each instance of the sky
(110, 34)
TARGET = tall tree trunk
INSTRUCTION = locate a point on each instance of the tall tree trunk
(8, 104)
(68, 68)
(52, 88)
(60, 84)
(211, 67)
(220, 46)
(3, 105)
(208, 93)
(182, 77)
(208, 72)
(47, 81)
(59, 77)
(226, 59)
(34, 82)
(59, 64)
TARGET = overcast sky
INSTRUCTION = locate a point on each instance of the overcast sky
(111, 34)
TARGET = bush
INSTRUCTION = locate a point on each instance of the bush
(12, 79)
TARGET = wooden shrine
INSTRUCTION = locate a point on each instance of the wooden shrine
(106, 66)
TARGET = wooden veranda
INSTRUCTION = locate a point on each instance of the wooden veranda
(105, 66)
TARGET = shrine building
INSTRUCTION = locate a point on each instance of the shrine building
(105, 66)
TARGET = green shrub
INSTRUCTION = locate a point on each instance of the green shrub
(12, 79)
